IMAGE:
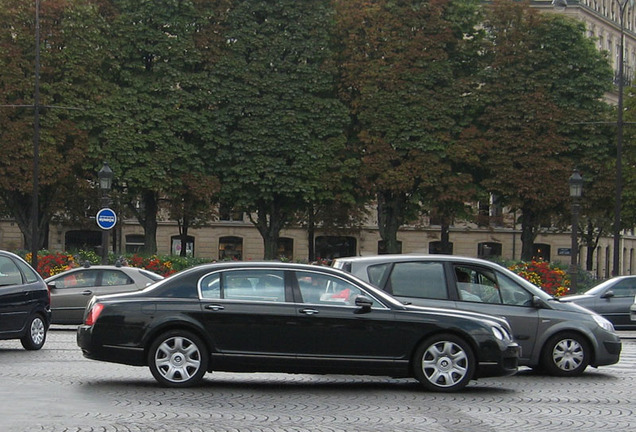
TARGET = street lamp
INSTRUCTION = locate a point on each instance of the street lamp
(105, 176)
(576, 190)
(622, 5)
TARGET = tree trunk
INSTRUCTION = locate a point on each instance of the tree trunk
(148, 220)
(311, 234)
(390, 218)
(529, 229)
(271, 219)
(445, 236)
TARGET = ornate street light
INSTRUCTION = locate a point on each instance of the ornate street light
(576, 190)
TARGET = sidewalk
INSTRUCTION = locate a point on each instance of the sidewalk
(627, 334)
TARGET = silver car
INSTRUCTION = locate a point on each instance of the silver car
(612, 299)
(72, 289)
(557, 337)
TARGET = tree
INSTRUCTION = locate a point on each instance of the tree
(281, 125)
(541, 76)
(403, 68)
(69, 48)
(151, 125)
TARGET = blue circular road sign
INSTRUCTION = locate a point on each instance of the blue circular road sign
(106, 218)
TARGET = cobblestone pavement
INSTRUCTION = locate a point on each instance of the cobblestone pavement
(56, 389)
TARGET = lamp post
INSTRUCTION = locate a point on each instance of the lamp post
(622, 5)
(105, 176)
(576, 190)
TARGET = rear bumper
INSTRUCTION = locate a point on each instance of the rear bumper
(91, 349)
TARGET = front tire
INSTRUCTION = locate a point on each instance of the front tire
(178, 358)
(566, 354)
(444, 363)
(35, 335)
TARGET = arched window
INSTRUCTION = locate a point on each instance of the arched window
(285, 249)
(82, 239)
(135, 243)
(542, 251)
(436, 248)
(489, 249)
(382, 247)
(175, 245)
(330, 247)
(230, 248)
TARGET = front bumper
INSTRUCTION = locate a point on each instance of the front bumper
(609, 349)
(507, 365)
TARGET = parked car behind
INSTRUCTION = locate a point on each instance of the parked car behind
(71, 290)
(611, 299)
(632, 312)
(280, 317)
(25, 312)
(560, 338)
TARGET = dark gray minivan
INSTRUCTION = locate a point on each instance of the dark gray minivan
(557, 337)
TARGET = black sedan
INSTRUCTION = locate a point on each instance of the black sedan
(25, 305)
(293, 318)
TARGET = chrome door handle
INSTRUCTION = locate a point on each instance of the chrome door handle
(87, 292)
(214, 307)
(309, 311)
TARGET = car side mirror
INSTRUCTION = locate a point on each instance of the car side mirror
(538, 303)
(52, 284)
(608, 294)
(364, 303)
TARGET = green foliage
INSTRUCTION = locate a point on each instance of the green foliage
(281, 127)
(404, 73)
(541, 75)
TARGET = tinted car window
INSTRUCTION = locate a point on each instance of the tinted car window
(624, 288)
(211, 286)
(418, 279)
(254, 285)
(477, 285)
(319, 288)
(115, 277)
(28, 272)
(78, 279)
(378, 274)
(9, 272)
(512, 293)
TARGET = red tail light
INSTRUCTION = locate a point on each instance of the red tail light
(93, 314)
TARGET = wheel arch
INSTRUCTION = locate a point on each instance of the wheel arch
(177, 324)
(454, 332)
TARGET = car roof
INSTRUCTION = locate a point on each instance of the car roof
(372, 259)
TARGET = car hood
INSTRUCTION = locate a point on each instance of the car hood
(460, 313)
(570, 306)
(575, 297)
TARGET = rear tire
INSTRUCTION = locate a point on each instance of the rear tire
(178, 358)
(444, 363)
(565, 354)
(35, 335)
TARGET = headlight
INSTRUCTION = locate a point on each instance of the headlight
(603, 323)
(499, 333)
